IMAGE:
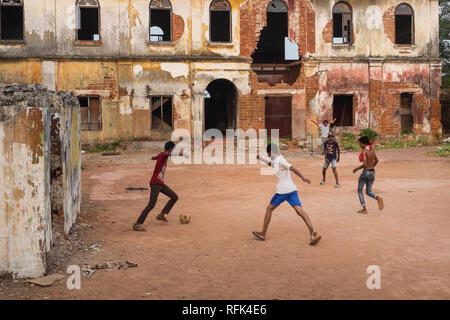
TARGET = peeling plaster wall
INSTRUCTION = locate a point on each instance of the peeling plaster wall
(66, 153)
(25, 220)
(26, 134)
(372, 33)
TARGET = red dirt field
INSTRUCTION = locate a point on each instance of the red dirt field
(216, 257)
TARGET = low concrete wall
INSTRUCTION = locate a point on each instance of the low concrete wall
(26, 113)
(25, 219)
(70, 137)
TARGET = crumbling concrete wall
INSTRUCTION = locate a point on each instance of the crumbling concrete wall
(65, 158)
(26, 113)
(25, 218)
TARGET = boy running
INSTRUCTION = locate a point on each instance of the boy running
(157, 185)
(369, 159)
(286, 191)
(332, 155)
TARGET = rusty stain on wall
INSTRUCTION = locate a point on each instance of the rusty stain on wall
(25, 182)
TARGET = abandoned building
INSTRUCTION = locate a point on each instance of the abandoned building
(40, 172)
(141, 68)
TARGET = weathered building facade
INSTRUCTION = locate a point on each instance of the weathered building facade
(142, 68)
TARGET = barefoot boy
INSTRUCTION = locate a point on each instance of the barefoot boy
(286, 191)
(369, 160)
(157, 186)
(332, 155)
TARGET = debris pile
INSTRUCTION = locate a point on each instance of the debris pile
(88, 269)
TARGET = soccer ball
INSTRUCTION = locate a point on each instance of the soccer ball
(185, 218)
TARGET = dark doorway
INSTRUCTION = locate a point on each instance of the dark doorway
(279, 115)
(220, 105)
(445, 112)
(11, 22)
(271, 43)
(407, 119)
(343, 110)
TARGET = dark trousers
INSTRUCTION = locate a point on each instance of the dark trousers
(156, 188)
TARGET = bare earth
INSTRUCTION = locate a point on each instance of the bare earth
(216, 257)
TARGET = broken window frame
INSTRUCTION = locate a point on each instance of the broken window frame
(229, 10)
(100, 114)
(161, 97)
(88, 42)
(411, 14)
(160, 5)
(14, 4)
(345, 16)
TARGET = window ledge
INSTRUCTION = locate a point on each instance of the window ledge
(13, 42)
(342, 45)
(82, 43)
(161, 43)
(405, 46)
(220, 44)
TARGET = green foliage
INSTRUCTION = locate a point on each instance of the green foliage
(441, 151)
(102, 148)
(116, 143)
(348, 141)
(370, 133)
(393, 144)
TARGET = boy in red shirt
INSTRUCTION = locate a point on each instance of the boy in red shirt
(157, 185)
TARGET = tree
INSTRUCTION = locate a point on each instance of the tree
(444, 41)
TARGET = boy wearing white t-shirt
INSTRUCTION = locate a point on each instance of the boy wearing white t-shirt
(285, 191)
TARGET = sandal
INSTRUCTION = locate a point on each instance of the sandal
(139, 227)
(257, 236)
(316, 239)
(161, 217)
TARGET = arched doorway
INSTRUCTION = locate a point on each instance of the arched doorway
(221, 105)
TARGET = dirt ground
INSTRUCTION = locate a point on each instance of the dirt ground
(216, 257)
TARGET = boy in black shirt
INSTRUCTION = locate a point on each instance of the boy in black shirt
(332, 155)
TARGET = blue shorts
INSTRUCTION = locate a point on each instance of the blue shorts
(327, 164)
(291, 198)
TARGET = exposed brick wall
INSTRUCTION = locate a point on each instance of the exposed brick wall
(178, 27)
(327, 32)
(245, 36)
(377, 97)
(310, 29)
(301, 28)
(389, 23)
(251, 111)
(109, 83)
